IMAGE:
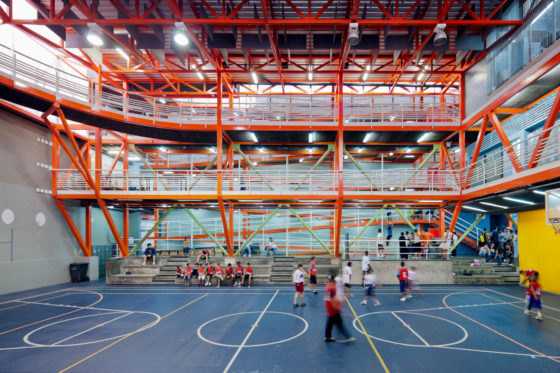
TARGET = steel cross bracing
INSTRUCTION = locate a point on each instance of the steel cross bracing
(128, 25)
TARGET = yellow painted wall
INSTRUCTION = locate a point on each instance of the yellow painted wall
(539, 248)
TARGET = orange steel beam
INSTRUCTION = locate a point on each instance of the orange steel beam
(75, 232)
(126, 224)
(273, 37)
(455, 216)
(81, 166)
(547, 129)
(505, 142)
(476, 152)
(219, 163)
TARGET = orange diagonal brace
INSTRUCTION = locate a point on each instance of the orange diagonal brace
(72, 226)
(505, 142)
(543, 138)
(455, 216)
(81, 166)
(476, 152)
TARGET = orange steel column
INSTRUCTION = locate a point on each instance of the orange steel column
(88, 227)
(455, 216)
(441, 221)
(98, 159)
(125, 167)
(339, 146)
(462, 157)
(219, 163)
(55, 155)
(230, 248)
(125, 218)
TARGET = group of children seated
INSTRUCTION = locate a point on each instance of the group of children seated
(237, 276)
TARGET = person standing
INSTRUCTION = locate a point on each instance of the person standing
(333, 308)
(380, 248)
(149, 253)
(389, 234)
(402, 275)
(313, 275)
(453, 241)
(186, 247)
(403, 246)
(347, 278)
(483, 249)
(535, 297)
(445, 245)
(494, 241)
(298, 278)
(365, 266)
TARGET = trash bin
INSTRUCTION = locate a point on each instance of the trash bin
(78, 272)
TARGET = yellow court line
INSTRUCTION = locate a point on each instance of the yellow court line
(368, 338)
(488, 296)
(130, 334)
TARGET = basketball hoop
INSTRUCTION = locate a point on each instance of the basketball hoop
(555, 222)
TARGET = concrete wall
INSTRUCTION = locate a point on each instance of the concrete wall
(41, 254)
(429, 272)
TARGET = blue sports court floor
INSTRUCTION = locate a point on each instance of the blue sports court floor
(98, 328)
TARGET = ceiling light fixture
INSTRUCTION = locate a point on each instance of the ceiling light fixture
(474, 208)
(200, 74)
(162, 148)
(300, 160)
(255, 77)
(424, 137)
(409, 156)
(253, 137)
(440, 37)
(94, 35)
(345, 156)
(123, 53)
(353, 34)
(391, 154)
(310, 76)
(310, 150)
(407, 150)
(365, 76)
(518, 200)
(367, 137)
(162, 100)
(261, 150)
(493, 205)
(310, 137)
(539, 192)
(180, 34)
(360, 150)
(420, 76)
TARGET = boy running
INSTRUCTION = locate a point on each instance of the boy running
(347, 278)
(248, 275)
(333, 306)
(402, 275)
(535, 297)
(219, 274)
(298, 276)
(369, 282)
(313, 275)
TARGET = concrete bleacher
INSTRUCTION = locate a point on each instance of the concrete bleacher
(485, 274)
(164, 272)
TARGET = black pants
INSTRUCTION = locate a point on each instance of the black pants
(332, 321)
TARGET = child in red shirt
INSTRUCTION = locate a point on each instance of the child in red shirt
(333, 307)
(248, 275)
(219, 274)
(187, 274)
(238, 274)
(229, 274)
(535, 296)
(402, 275)
(209, 274)
(201, 274)
(179, 272)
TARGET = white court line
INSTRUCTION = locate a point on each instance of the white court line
(93, 327)
(250, 332)
(35, 296)
(412, 330)
(492, 352)
(89, 308)
(446, 308)
(511, 296)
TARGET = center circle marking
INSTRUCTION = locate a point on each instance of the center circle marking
(465, 333)
(199, 331)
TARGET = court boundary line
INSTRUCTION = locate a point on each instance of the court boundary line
(368, 338)
(249, 333)
(57, 316)
(493, 330)
(128, 335)
(412, 330)
(38, 295)
(521, 308)
(514, 297)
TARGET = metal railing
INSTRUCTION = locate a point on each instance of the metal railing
(246, 110)
(491, 168)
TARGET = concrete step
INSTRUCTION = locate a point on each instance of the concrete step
(140, 269)
(132, 279)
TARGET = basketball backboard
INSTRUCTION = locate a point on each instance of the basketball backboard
(552, 203)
